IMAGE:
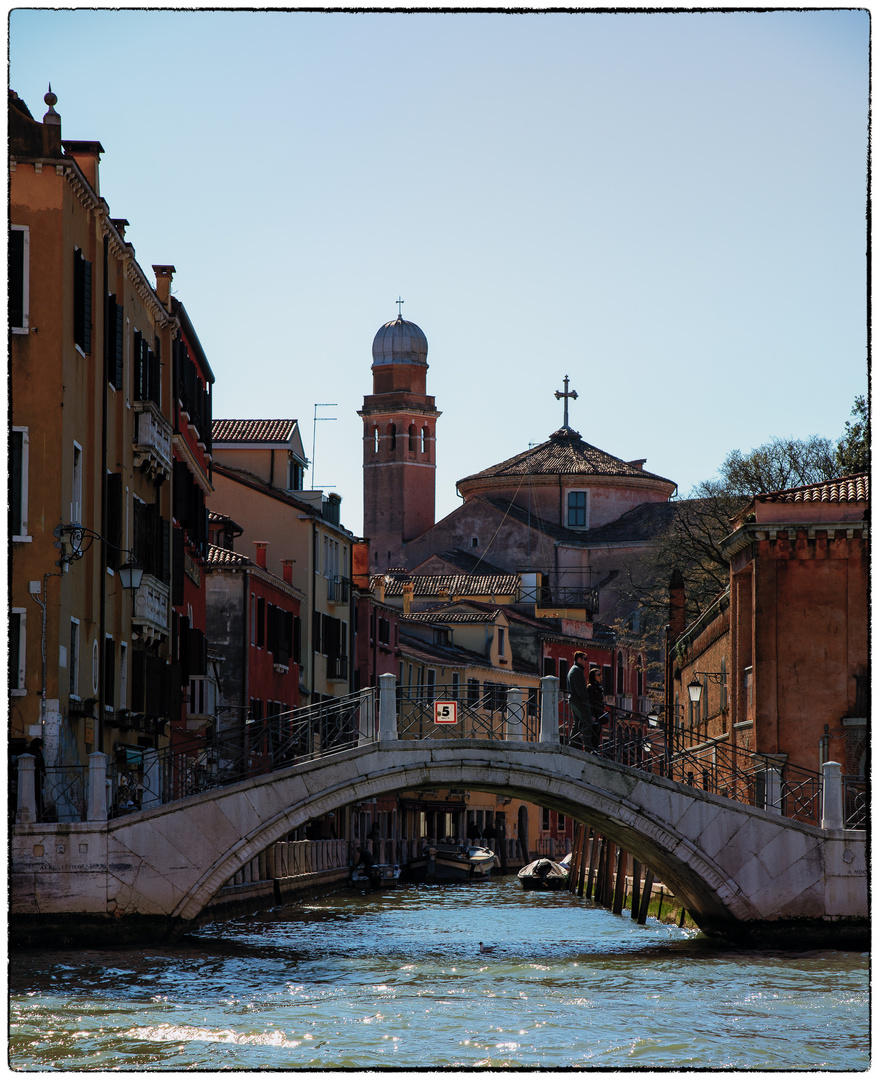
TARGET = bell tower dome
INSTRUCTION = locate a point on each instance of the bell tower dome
(399, 444)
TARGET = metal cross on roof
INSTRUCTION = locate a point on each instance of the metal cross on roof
(566, 394)
(399, 304)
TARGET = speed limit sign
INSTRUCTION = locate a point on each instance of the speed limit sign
(445, 712)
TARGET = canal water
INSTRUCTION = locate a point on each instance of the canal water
(397, 980)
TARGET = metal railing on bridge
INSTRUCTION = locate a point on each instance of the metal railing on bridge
(485, 711)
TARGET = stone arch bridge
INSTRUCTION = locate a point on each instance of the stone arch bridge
(743, 873)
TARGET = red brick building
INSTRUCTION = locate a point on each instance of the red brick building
(783, 657)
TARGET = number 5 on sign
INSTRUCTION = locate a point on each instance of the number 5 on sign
(445, 712)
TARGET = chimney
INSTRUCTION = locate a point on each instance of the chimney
(164, 274)
(87, 155)
(120, 224)
(408, 593)
(360, 563)
(261, 548)
(51, 128)
(287, 569)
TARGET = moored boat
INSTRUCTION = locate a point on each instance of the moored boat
(543, 874)
(451, 862)
(377, 876)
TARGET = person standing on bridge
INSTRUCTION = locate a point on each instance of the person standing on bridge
(596, 703)
(578, 698)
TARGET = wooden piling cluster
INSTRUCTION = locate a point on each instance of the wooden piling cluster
(600, 869)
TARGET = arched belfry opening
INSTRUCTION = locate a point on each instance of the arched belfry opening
(399, 452)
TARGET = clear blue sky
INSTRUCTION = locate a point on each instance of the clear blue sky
(669, 208)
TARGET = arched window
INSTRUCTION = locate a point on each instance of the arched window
(424, 440)
(640, 676)
(413, 438)
(392, 437)
(621, 678)
(375, 440)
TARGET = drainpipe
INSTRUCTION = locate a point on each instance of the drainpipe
(50, 746)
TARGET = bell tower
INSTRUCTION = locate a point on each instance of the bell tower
(399, 444)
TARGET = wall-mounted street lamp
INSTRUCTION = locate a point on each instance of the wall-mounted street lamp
(130, 576)
(80, 539)
(694, 689)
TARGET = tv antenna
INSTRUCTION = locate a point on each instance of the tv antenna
(319, 405)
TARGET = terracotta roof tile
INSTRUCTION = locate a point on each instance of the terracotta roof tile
(219, 556)
(453, 584)
(846, 489)
(450, 616)
(249, 431)
(564, 452)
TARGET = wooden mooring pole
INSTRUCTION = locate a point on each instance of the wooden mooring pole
(619, 890)
(636, 888)
(645, 897)
(581, 872)
(593, 847)
(576, 855)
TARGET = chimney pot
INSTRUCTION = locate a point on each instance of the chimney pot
(261, 548)
(164, 274)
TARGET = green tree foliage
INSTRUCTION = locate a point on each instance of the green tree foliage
(853, 449)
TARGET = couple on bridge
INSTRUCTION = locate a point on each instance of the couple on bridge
(586, 698)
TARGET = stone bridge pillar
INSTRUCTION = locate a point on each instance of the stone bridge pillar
(97, 804)
(549, 709)
(831, 796)
(26, 810)
(515, 715)
(387, 707)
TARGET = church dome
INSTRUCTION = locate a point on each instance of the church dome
(399, 342)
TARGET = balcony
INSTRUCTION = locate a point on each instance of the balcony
(338, 590)
(151, 607)
(152, 439)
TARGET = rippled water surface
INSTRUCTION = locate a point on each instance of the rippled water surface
(397, 980)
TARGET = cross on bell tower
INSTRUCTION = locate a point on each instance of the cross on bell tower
(566, 394)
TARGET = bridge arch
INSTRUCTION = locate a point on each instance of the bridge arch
(683, 834)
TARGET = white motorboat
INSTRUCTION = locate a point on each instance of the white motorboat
(451, 862)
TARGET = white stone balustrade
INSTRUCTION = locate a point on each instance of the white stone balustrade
(151, 605)
(152, 439)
